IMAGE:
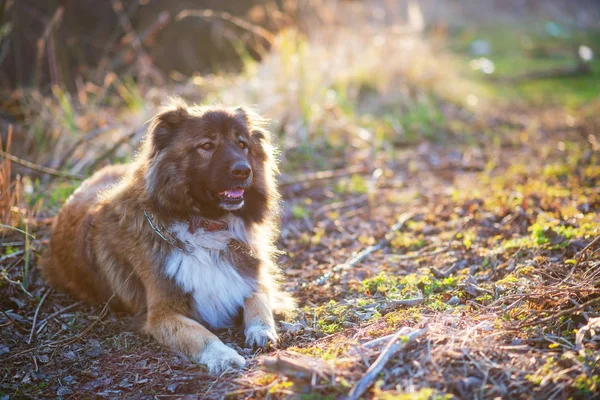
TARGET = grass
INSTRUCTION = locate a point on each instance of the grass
(530, 48)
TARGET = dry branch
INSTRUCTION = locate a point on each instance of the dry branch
(40, 168)
(12, 255)
(560, 313)
(361, 255)
(323, 175)
(86, 138)
(239, 22)
(302, 368)
(66, 341)
(108, 153)
(37, 310)
(375, 369)
(409, 302)
(62, 310)
(41, 43)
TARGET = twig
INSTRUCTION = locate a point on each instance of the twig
(145, 62)
(579, 258)
(18, 230)
(64, 342)
(586, 248)
(114, 148)
(341, 205)
(18, 325)
(40, 168)
(324, 175)
(375, 369)
(62, 310)
(376, 343)
(127, 26)
(239, 22)
(561, 313)
(37, 310)
(303, 368)
(12, 255)
(371, 344)
(41, 43)
(443, 275)
(86, 138)
(448, 246)
(409, 302)
(420, 255)
(361, 255)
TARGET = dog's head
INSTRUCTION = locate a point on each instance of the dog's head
(210, 160)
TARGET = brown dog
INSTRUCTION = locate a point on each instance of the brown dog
(183, 236)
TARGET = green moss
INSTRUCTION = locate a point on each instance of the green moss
(587, 385)
(299, 211)
(407, 241)
(356, 184)
(331, 316)
(406, 286)
(421, 394)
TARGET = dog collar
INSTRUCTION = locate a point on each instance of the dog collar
(195, 223)
(163, 233)
(207, 224)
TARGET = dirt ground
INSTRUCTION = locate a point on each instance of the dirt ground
(487, 245)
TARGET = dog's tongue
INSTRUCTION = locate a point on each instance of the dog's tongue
(234, 193)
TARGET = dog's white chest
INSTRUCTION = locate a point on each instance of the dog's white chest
(207, 274)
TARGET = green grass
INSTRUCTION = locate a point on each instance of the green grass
(522, 50)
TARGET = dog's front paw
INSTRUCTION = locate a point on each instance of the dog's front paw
(258, 335)
(217, 357)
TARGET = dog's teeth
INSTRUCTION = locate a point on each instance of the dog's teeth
(232, 194)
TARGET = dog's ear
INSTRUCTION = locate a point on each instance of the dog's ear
(255, 124)
(242, 115)
(261, 135)
(163, 126)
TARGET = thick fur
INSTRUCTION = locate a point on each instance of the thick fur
(103, 248)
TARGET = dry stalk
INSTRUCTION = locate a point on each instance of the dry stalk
(37, 310)
(41, 43)
(64, 342)
(301, 368)
(361, 255)
(323, 175)
(61, 311)
(40, 168)
(375, 369)
(86, 138)
(239, 22)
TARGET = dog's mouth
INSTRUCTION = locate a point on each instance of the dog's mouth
(231, 199)
(232, 195)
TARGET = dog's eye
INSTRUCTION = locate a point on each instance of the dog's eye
(207, 146)
(243, 145)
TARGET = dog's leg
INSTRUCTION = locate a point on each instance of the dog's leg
(258, 320)
(188, 336)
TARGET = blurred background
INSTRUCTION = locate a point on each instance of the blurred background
(313, 66)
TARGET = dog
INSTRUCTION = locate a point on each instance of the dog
(182, 237)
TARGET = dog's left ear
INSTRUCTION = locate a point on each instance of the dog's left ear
(255, 124)
(261, 135)
(163, 125)
(242, 115)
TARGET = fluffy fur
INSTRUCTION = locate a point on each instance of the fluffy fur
(142, 237)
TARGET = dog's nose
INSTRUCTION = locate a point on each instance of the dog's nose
(240, 169)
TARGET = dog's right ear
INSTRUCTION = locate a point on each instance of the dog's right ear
(163, 126)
